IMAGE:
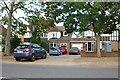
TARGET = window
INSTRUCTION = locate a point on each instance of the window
(54, 35)
(53, 44)
(63, 45)
(44, 35)
(65, 33)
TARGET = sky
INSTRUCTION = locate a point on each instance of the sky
(20, 13)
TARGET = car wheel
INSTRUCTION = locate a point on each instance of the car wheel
(33, 58)
(44, 56)
(17, 59)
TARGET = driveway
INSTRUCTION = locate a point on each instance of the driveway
(66, 60)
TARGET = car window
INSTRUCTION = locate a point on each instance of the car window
(33, 46)
(37, 46)
(53, 48)
(22, 46)
(74, 48)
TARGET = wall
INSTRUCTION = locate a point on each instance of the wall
(115, 45)
(50, 35)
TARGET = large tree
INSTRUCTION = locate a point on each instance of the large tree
(102, 16)
(8, 18)
(32, 15)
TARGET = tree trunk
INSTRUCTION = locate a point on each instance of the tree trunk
(7, 43)
(98, 45)
(22, 39)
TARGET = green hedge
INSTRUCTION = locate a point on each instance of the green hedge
(41, 43)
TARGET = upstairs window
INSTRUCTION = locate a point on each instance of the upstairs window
(44, 35)
(65, 33)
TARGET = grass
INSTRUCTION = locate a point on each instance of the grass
(95, 59)
(7, 58)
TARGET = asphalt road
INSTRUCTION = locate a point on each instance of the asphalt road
(44, 71)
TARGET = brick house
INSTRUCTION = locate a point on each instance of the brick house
(85, 41)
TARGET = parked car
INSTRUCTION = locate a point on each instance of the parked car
(30, 52)
(55, 51)
(74, 50)
(64, 50)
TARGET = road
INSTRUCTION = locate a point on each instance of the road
(43, 71)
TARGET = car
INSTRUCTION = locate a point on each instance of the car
(30, 52)
(55, 51)
(74, 50)
(64, 50)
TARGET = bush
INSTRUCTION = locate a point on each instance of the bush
(39, 42)
(14, 42)
(45, 45)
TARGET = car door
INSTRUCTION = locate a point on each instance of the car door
(40, 51)
(35, 49)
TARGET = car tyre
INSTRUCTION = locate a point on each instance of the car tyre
(17, 59)
(44, 56)
(33, 58)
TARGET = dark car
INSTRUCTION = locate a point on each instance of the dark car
(74, 50)
(64, 50)
(30, 52)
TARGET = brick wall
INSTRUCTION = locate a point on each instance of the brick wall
(115, 45)
(104, 54)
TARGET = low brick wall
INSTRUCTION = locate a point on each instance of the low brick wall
(104, 54)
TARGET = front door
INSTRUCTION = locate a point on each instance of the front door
(90, 47)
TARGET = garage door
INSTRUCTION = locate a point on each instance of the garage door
(80, 46)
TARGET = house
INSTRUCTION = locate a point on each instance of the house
(85, 41)
(2, 36)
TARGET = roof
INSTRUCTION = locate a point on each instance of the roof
(57, 28)
(61, 39)
(82, 39)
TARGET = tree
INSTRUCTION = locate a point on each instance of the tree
(102, 16)
(38, 25)
(10, 12)
(10, 7)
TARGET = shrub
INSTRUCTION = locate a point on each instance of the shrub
(14, 42)
(39, 42)
(44, 45)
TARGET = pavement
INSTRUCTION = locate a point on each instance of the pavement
(64, 66)
(65, 60)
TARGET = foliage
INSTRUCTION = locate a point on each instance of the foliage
(39, 42)
(102, 17)
(14, 42)
(45, 45)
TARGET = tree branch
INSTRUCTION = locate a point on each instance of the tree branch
(6, 5)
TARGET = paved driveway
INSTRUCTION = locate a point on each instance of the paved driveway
(65, 60)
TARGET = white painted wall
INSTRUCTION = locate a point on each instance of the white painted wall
(57, 35)
(86, 33)
(80, 46)
(89, 33)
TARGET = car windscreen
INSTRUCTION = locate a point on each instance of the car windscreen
(53, 48)
(22, 46)
(74, 48)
